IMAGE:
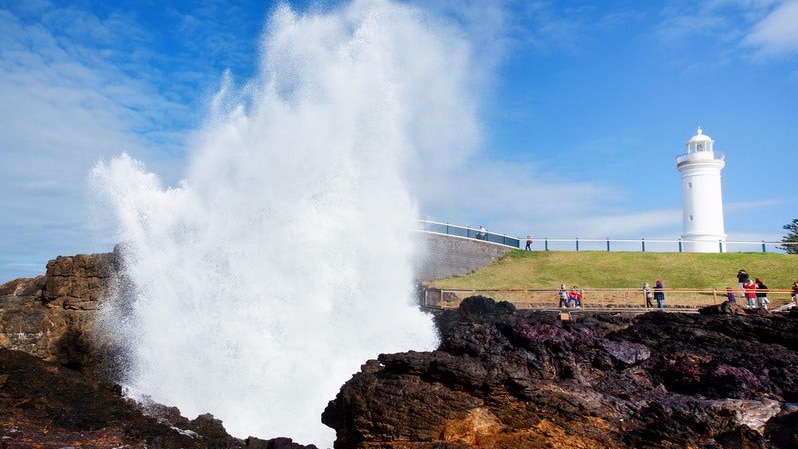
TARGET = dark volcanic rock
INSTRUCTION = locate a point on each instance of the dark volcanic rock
(56, 372)
(43, 405)
(519, 379)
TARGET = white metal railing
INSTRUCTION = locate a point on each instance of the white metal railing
(605, 244)
(469, 232)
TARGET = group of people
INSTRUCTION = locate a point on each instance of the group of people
(755, 292)
(657, 294)
(572, 297)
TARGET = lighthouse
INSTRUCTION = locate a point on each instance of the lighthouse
(702, 201)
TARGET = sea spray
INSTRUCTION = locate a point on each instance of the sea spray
(285, 258)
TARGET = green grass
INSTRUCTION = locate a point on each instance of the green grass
(597, 269)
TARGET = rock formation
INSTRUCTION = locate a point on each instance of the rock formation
(47, 406)
(53, 316)
(55, 389)
(502, 378)
(520, 379)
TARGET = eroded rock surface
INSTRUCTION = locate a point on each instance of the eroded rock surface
(53, 316)
(44, 405)
(519, 379)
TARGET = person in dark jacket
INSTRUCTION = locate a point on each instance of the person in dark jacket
(659, 295)
(742, 278)
(761, 294)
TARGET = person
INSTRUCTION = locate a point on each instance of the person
(794, 293)
(482, 234)
(563, 293)
(742, 278)
(528, 243)
(649, 295)
(749, 289)
(659, 295)
(761, 294)
(730, 295)
(575, 297)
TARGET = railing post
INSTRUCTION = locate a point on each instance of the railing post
(720, 245)
(643, 242)
(608, 244)
(577, 243)
(680, 245)
(546, 243)
(764, 250)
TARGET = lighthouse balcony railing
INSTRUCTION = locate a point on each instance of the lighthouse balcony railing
(699, 155)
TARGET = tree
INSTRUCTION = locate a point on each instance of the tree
(791, 238)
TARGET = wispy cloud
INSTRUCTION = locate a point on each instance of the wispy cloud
(73, 92)
(520, 197)
(776, 34)
(734, 26)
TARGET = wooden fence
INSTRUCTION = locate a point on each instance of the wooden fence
(682, 300)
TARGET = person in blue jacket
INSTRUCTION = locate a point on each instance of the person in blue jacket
(659, 295)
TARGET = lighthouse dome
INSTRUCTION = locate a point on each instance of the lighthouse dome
(699, 142)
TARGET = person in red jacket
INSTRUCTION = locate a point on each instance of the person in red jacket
(749, 287)
(575, 296)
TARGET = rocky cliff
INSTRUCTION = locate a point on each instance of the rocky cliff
(56, 373)
(53, 316)
(501, 378)
(518, 379)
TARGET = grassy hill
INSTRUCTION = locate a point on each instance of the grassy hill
(597, 269)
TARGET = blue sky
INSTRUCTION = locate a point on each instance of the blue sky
(582, 109)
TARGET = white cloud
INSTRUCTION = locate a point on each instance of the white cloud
(518, 197)
(66, 103)
(776, 34)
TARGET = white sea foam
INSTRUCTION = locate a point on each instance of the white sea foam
(284, 259)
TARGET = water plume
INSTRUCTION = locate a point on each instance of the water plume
(285, 258)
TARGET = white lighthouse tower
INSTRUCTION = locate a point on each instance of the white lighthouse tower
(702, 201)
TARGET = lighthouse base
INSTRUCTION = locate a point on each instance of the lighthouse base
(704, 243)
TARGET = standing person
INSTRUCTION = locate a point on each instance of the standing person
(761, 293)
(528, 243)
(742, 278)
(730, 295)
(563, 293)
(648, 294)
(659, 295)
(749, 287)
(794, 293)
(482, 233)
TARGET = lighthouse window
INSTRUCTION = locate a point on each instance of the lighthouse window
(691, 218)
(690, 184)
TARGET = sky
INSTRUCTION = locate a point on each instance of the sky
(582, 108)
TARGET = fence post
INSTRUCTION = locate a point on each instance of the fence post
(577, 243)
(680, 245)
(720, 245)
(763, 247)
(608, 244)
(546, 243)
(643, 241)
